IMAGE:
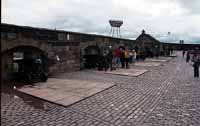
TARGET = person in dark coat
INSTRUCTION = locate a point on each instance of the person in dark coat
(122, 57)
(183, 53)
(110, 58)
(188, 57)
(117, 57)
(127, 58)
(105, 61)
(196, 64)
(157, 52)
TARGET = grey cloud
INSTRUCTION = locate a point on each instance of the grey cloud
(91, 16)
(191, 5)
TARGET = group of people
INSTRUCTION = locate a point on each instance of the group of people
(194, 57)
(120, 57)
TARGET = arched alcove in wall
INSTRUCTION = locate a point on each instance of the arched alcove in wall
(13, 59)
(91, 56)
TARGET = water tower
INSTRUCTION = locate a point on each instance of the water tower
(115, 27)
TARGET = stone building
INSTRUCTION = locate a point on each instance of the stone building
(64, 50)
(148, 43)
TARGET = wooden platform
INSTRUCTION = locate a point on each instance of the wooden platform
(156, 60)
(148, 64)
(65, 91)
(128, 72)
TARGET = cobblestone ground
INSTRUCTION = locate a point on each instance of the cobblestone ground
(165, 96)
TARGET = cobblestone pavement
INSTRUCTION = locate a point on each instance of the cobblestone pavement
(167, 95)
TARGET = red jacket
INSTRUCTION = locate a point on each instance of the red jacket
(117, 53)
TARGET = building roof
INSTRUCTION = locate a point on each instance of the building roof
(147, 38)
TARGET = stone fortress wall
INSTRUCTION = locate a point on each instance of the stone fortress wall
(63, 49)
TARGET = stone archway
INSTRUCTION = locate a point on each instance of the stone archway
(12, 57)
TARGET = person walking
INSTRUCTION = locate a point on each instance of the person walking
(126, 58)
(131, 56)
(110, 58)
(117, 57)
(122, 57)
(183, 53)
(134, 56)
(188, 57)
(157, 52)
(196, 64)
(105, 61)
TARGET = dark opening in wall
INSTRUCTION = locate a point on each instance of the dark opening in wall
(92, 55)
(25, 63)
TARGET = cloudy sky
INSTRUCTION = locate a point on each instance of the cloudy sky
(158, 17)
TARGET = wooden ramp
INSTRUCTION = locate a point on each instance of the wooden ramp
(65, 91)
(148, 64)
(128, 72)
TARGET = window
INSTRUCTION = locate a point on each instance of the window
(61, 36)
(12, 36)
(18, 55)
(88, 38)
(68, 37)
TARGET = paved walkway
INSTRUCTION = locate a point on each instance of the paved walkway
(167, 95)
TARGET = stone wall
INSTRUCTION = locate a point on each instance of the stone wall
(67, 46)
(52, 43)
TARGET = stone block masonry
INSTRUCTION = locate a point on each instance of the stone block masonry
(69, 47)
(54, 44)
